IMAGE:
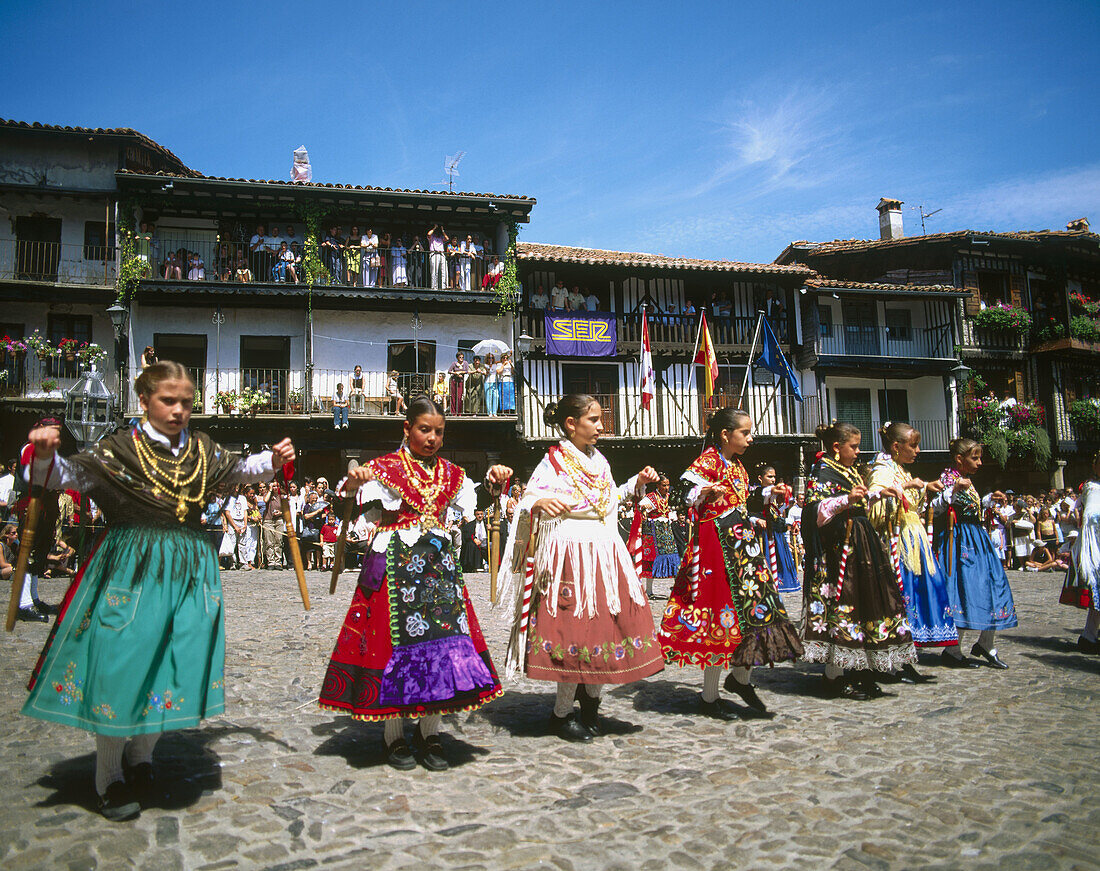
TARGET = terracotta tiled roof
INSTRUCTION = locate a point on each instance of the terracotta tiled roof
(185, 170)
(878, 286)
(841, 245)
(537, 251)
(335, 187)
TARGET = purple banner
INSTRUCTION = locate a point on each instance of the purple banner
(580, 334)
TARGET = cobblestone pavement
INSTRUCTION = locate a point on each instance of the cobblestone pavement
(983, 769)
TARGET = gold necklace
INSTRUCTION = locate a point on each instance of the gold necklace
(427, 488)
(595, 490)
(166, 474)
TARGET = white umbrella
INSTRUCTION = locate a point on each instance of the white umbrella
(489, 346)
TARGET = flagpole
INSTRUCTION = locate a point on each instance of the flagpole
(748, 368)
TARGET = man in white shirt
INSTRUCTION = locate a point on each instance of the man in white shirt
(437, 257)
(235, 512)
(7, 488)
(592, 302)
(290, 237)
(539, 299)
(261, 258)
(576, 299)
(559, 296)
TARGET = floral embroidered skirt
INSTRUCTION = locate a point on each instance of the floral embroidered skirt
(139, 645)
(866, 627)
(410, 645)
(593, 646)
(977, 585)
(661, 556)
(738, 617)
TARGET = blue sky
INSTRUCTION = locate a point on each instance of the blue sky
(720, 130)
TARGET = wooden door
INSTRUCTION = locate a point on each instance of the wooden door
(601, 382)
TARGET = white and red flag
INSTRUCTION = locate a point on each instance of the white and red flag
(649, 380)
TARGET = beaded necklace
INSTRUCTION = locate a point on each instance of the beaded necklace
(593, 487)
(660, 504)
(850, 474)
(165, 474)
(733, 476)
(425, 487)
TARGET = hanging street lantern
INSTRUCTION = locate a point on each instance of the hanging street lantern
(89, 408)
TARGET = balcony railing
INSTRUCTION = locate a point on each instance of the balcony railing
(666, 331)
(341, 266)
(992, 340)
(56, 262)
(848, 340)
(28, 377)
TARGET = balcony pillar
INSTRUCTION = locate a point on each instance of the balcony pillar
(1057, 474)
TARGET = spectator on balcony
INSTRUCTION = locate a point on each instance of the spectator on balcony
(285, 263)
(257, 246)
(196, 268)
(494, 273)
(457, 370)
(340, 408)
(439, 389)
(356, 396)
(223, 263)
(474, 401)
(437, 248)
(492, 387)
(172, 269)
(242, 273)
(576, 299)
(296, 259)
(591, 301)
(539, 299)
(148, 357)
(353, 256)
(393, 388)
(398, 264)
(453, 268)
(369, 245)
(290, 237)
(559, 296)
(506, 384)
(144, 248)
(465, 262)
(332, 255)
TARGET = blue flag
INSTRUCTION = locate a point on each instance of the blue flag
(772, 359)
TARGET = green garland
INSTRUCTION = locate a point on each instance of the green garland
(506, 292)
(131, 269)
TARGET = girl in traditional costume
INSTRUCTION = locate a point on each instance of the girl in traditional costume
(897, 517)
(410, 647)
(1082, 584)
(660, 555)
(977, 586)
(768, 500)
(854, 616)
(139, 647)
(724, 611)
(580, 615)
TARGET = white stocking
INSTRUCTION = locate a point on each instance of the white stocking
(711, 674)
(429, 725)
(741, 674)
(394, 729)
(563, 704)
(988, 640)
(833, 671)
(108, 761)
(140, 748)
(30, 589)
(649, 586)
(1092, 625)
(593, 689)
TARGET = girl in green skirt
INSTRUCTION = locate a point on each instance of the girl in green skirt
(139, 647)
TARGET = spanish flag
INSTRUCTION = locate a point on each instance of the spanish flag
(705, 355)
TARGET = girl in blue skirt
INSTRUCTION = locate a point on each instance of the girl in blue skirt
(977, 585)
(139, 646)
(767, 500)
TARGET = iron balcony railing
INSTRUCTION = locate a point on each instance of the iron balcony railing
(665, 330)
(57, 262)
(856, 340)
(28, 376)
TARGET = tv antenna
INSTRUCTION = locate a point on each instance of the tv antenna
(923, 215)
(450, 167)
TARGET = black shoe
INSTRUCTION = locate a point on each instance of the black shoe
(746, 691)
(431, 752)
(30, 614)
(910, 675)
(989, 656)
(569, 728)
(957, 661)
(118, 803)
(717, 710)
(1086, 646)
(868, 685)
(43, 608)
(141, 781)
(400, 756)
(843, 688)
(590, 711)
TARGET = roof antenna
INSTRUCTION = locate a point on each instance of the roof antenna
(450, 167)
(923, 215)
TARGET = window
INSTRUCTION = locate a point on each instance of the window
(825, 320)
(993, 288)
(853, 404)
(60, 327)
(415, 364)
(893, 405)
(95, 246)
(899, 324)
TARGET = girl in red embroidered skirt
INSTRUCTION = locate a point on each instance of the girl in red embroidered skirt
(724, 610)
(581, 617)
(410, 646)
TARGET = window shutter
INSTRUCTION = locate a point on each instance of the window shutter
(1016, 290)
(1021, 392)
(974, 301)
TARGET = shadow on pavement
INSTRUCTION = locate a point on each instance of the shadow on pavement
(186, 769)
(527, 715)
(361, 744)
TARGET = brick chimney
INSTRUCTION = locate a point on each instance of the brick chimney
(1079, 224)
(889, 219)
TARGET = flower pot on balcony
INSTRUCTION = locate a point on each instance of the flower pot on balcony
(227, 408)
(70, 356)
(41, 354)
